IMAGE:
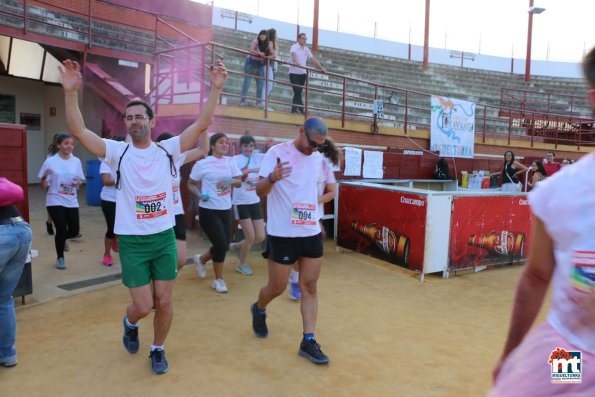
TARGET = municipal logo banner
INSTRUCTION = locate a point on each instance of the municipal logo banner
(452, 130)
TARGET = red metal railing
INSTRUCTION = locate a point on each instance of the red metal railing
(346, 99)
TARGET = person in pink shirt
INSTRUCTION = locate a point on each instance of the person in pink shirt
(556, 357)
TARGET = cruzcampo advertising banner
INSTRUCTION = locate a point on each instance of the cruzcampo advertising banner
(452, 130)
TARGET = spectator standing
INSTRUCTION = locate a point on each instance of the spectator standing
(255, 66)
(300, 54)
(272, 66)
(550, 165)
(539, 174)
(15, 244)
(510, 173)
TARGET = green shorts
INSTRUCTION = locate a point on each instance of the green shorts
(146, 258)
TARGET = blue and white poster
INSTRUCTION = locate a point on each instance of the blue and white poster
(452, 130)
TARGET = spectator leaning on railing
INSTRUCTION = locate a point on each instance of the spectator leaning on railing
(297, 74)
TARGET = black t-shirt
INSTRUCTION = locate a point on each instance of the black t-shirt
(9, 211)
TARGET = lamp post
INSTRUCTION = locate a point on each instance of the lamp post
(532, 10)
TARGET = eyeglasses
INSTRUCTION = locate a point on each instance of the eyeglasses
(314, 144)
(136, 117)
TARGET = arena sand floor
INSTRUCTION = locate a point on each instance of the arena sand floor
(386, 333)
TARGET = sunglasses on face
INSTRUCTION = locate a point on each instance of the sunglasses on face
(314, 144)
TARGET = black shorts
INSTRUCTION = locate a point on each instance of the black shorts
(287, 250)
(247, 211)
(180, 228)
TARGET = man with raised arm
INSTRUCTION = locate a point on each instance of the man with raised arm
(144, 204)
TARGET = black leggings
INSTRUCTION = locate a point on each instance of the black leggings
(66, 221)
(217, 226)
(109, 212)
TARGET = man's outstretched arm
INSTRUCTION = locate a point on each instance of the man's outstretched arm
(70, 75)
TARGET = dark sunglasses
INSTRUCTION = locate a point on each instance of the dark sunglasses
(314, 144)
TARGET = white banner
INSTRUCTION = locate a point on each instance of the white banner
(452, 130)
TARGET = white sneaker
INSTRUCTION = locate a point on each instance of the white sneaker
(219, 285)
(244, 269)
(200, 267)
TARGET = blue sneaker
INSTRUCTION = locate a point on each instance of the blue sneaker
(259, 324)
(130, 338)
(294, 291)
(61, 264)
(158, 362)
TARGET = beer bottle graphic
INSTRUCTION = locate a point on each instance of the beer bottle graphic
(386, 240)
(502, 243)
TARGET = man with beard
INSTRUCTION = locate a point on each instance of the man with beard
(144, 204)
(289, 177)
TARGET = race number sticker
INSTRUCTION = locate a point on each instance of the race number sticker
(303, 214)
(148, 207)
(250, 184)
(66, 188)
(176, 194)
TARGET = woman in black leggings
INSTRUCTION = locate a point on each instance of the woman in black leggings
(66, 175)
(216, 174)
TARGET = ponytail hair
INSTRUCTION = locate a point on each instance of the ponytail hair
(331, 151)
(53, 148)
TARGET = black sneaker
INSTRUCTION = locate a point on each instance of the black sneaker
(130, 338)
(310, 349)
(158, 361)
(259, 323)
(50, 229)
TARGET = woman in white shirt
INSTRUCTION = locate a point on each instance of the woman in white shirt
(185, 158)
(216, 174)
(246, 202)
(61, 200)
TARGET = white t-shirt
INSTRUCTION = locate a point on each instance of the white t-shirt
(246, 194)
(302, 55)
(144, 202)
(292, 204)
(177, 197)
(215, 175)
(565, 203)
(108, 193)
(63, 179)
(326, 176)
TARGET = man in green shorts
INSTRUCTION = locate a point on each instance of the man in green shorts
(144, 204)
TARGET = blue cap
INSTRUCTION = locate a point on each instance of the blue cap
(316, 125)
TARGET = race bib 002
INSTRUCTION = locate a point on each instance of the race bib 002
(303, 214)
(148, 207)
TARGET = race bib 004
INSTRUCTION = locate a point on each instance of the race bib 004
(148, 207)
(303, 214)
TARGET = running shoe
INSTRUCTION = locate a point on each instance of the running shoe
(244, 269)
(158, 361)
(9, 361)
(200, 267)
(60, 264)
(310, 349)
(219, 285)
(76, 237)
(50, 228)
(294, 291)
(115, 245)
(130, 338)
(107, 260)
(259, 323)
